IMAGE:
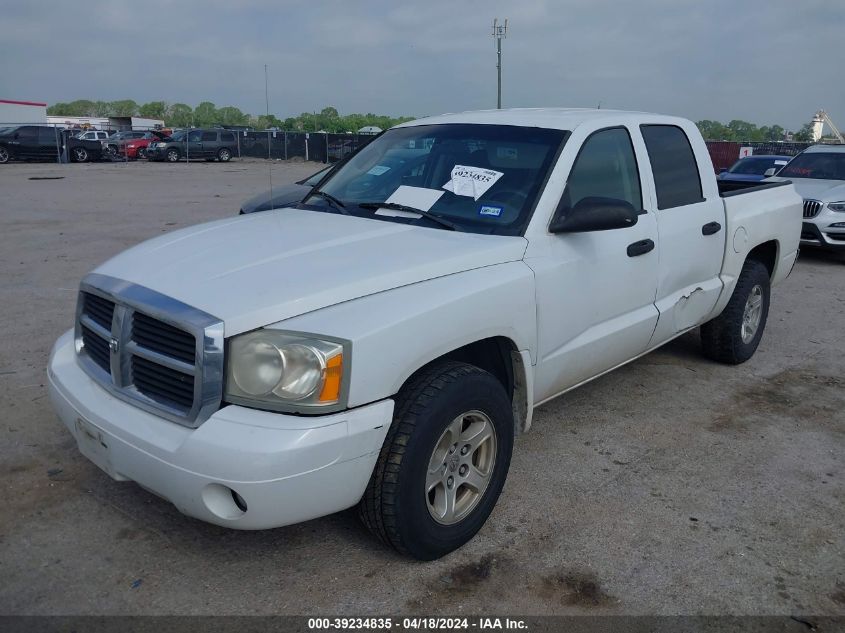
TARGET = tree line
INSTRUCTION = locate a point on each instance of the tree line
(328, 119)
(738, 130)
(207, 114)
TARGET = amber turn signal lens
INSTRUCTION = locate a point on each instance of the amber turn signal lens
(331, 386)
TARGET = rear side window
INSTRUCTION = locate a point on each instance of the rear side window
(227, 137)
(676, 176)
(209, 136)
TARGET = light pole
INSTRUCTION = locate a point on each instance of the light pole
(500, 32)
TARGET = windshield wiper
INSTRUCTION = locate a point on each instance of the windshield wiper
(402, 207)
(337, 204)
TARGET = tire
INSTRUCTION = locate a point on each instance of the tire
(733, 336)
(400, 503)
(141, 154)
(172, 155)
(79, 154)
(224, 155)
(4, 155)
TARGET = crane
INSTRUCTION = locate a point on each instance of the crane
(821, 117)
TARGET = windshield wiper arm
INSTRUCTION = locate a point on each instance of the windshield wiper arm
(402, 207)
(337, 204)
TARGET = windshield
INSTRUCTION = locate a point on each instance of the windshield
(481, 178)
(819, 165)
(756, 166)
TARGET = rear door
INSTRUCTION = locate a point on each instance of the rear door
(209, 144)
(690, 226)
(47, 145)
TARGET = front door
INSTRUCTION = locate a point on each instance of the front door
(595, 290)
(194, 145)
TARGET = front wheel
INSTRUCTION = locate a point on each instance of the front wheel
(80, 154)
(733, 336)
(4, 155)
(224, 155)
(443, 463)
(172, 155)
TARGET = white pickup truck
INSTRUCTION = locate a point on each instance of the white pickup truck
(381, 343)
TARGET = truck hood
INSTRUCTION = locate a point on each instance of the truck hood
(822, 190)
(254, 270)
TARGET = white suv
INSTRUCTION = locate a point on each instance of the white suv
(819, 177)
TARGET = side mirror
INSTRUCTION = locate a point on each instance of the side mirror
(594, 214)
(770, 172)
(723, 170)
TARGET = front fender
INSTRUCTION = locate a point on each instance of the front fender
(396, 332)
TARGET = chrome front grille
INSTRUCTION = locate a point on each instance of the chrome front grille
(812, 208)
(149, 349)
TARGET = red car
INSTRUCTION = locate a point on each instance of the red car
(134, 144)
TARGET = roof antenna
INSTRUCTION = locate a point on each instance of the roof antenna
(269, 155)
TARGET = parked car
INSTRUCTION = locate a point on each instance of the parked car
(93, 135)
(380, 344)
(284, 195)
(818, 174)
(40, 142)
(135, 144)
(753, 168)
(115, 143)
(195, 144)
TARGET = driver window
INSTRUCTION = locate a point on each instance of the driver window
(606, 167)
(194, 136)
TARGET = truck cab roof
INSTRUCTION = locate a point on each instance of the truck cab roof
(554, 118)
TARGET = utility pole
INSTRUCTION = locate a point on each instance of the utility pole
(500, 32)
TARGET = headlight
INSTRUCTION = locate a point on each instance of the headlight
(837, 206)
(161, 144)
(288, 372)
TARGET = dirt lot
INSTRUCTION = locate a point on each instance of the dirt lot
(673, 485)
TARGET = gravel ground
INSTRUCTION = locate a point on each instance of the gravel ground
(671, 486)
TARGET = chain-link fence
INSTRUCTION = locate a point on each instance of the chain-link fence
(51, 142)
(316, 146)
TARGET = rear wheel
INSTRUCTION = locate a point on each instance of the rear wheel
(733, 336)
(172, 155)
(4, 155)
(443, 463)
(79, 154)
(223, 155)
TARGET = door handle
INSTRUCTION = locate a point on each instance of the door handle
(710, 228)
(640, 248)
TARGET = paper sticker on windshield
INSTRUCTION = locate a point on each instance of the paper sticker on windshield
(471, 181)
(780, 162)
(486, 209)
(378, 170)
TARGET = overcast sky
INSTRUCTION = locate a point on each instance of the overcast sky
(774, 61)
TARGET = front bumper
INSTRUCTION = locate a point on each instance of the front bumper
(285, 469)
(156, 153)
(822, 235)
